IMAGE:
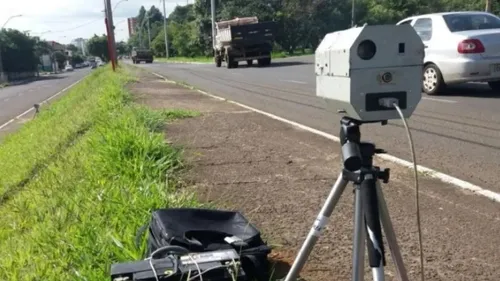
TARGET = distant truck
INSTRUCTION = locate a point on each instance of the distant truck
(244, 39)
(139, 55)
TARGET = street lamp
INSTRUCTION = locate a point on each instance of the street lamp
(118, 3)
(11, 17)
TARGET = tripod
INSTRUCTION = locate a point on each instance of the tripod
(370, 213)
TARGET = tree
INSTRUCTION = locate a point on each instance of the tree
(72, 48)
(60, 58)
(18, 53)
(98, 47)
(76, 59)
(300, 23)
(122, 48)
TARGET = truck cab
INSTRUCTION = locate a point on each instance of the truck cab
(140, 54)
(244, 39)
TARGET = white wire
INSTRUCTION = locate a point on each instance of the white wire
(153, 268)
(207, 270)
(417, 201)
(197, 267)
(151, 262)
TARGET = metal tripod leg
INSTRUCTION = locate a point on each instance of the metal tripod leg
(320, 222)
(359, 243)
(391, 236)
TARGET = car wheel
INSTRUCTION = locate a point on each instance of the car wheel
(494, 85)
(432, 80)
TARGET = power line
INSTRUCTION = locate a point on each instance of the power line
(76, 27)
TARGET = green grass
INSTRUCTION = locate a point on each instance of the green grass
(79, 180)
(202, 59)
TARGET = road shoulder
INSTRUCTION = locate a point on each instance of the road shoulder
(279, 176)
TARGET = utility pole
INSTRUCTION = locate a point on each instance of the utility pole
(111, 32)
(488, 6)
(212, 6)
(139, 28)
(165, 28)
(149, 35)
(353, 11)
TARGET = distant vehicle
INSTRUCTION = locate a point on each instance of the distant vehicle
(68, 67)
(144, 55)
(459, 47)
(244, 39)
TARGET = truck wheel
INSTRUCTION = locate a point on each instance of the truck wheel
(235, 64)
(229, 62)
(264, 62)
(249, 62)
(218, 61)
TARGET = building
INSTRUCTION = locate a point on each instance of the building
(81, 44)
(132, 23)
(57, 46)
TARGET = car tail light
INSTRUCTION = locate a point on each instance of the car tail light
(470, 46)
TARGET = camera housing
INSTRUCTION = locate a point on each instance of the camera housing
(361, 71)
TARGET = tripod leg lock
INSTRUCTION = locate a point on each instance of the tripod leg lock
(359, 176)
(384, 175)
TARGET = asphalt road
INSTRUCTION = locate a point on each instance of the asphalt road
(457, 133)
(16, 99)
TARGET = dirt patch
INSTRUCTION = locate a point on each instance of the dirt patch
(279, 177)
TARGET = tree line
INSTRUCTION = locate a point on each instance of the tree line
(301, 23)
(22, 53)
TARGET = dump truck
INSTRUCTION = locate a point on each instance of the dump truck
(139, 54)
(243, 39)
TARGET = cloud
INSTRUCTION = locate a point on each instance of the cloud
(70, 19)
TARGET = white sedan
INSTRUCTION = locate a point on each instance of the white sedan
(459, 47)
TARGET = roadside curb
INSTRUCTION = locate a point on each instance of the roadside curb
(427, 171)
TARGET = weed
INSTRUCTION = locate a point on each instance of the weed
(102, 169)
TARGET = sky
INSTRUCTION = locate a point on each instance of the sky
(65, 20)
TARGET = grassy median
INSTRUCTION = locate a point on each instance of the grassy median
(78, 181)
(203, 59)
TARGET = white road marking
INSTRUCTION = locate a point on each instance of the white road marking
(430, 172)
(45, 101)
(20, 94)
(294, 81)
(6, 99)
(439, 100)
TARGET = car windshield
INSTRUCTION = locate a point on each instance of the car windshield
(466, 22)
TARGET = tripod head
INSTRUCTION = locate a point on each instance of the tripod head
(355, 153)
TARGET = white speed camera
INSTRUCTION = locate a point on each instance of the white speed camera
(362, 71)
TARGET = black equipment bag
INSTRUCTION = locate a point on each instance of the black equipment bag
(200, 230)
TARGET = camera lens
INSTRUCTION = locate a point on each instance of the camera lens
(366, 49)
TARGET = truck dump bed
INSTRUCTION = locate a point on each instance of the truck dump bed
(246, 31)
